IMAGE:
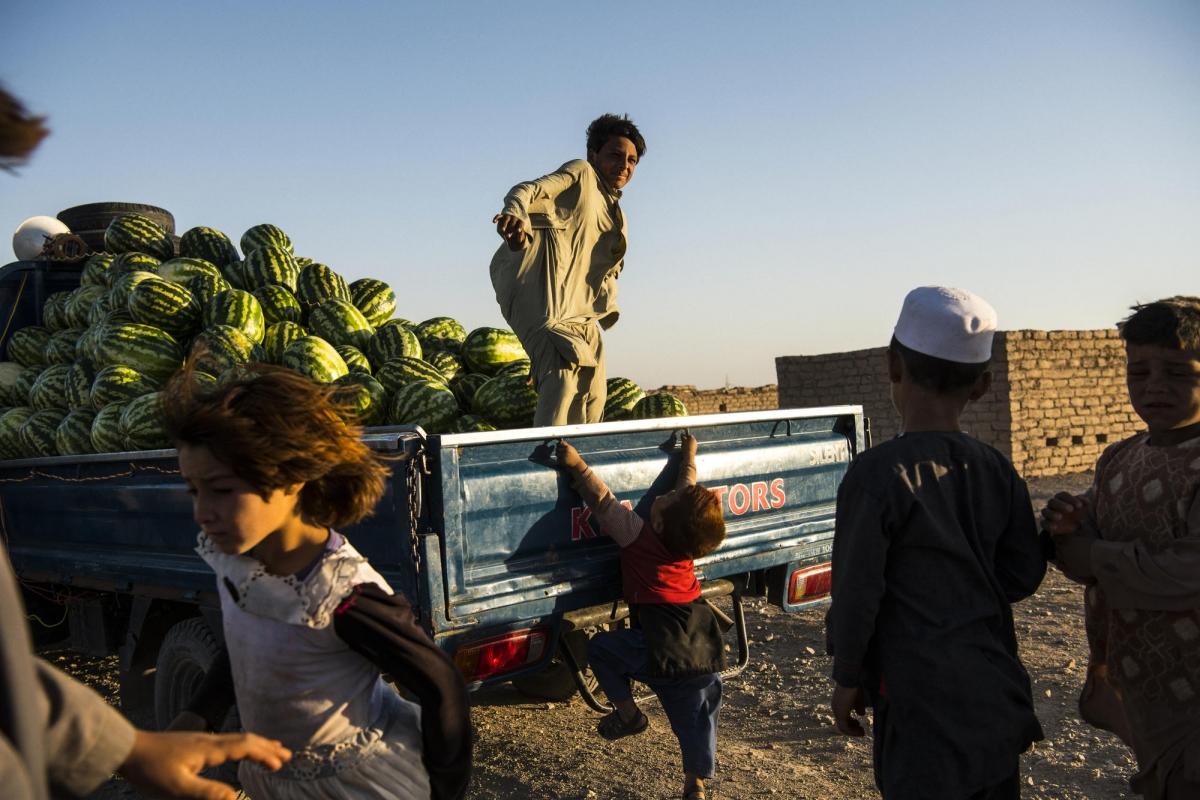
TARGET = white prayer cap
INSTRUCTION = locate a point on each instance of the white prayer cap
(951, 324)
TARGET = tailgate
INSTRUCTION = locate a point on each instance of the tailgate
(516, 533)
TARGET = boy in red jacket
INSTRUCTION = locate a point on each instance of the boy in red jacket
(674, 644)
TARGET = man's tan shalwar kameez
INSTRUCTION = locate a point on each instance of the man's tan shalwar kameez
(559, 290)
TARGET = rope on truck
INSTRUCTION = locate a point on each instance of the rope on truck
(16, 304)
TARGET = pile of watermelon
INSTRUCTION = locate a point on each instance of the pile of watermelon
(88, 379)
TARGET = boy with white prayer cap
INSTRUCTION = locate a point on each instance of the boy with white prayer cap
(935, 539)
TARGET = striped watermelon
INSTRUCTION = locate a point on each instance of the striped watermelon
(318, 283)
(209, 244)
(101, 307)
(397, 321)
(235, 273)
(150, 350)
(79, 387)
(471, 423)
(447, 363)
(356, 360)
(392, 341)
(506, 401)
(37, 433)
(316, 358)
(50, 389)
(486, 350)
(27, 346)
(125, 263)
(61, 347)
(426, 403)
(54, 311)
(79, 304)
(239, 309)
(360, 398)
(520, 368)
(122, 288)
(278, 304)
(10, 431)
(623, 395)
(183, 269)
(269, 265)
(464, 385)
(221, 347)
(73, 436)
(206, 287)
(440, 333)
(119, 384)
(106, 429)
(166, 305)
(339, 322)
(278, 337)
(662, 404)
(142, 423)
(24, 384)
(10, 376)
(374, 298)
(95, 270)
(266, 235)
(303, 261)
(133, 232)
(204, 381)
(406, 369)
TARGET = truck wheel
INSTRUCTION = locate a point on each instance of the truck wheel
(555, 682)
(96, 216)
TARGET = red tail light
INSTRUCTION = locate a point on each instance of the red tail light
(809, 583)
(501, 654)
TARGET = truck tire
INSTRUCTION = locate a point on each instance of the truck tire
(96, 216)
(555, 682)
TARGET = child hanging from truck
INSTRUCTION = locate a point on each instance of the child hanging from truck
(674, 643)
(1134, 540)
(274, 472)
(935, 538)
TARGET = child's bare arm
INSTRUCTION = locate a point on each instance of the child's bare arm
(687, 461)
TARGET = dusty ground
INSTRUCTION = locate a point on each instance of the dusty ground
(776, 737)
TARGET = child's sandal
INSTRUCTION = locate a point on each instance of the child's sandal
(612, 727)
(694, 794)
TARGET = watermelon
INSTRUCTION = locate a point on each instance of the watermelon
(662, 404)
(142, 424)
(209, 244)
(486, 350)
(206, 287)
(520, 368)
(392, 341)
(10, 376)
(239, 309)
(426, 403)
(266, 235)
(506, 401)
(303, 261)
(440, 333)
(165, 304)
(119, 384)
(316, 358)
(95, 270)
(101, 307)
(356, 360)
(24, 385)
(133, 232)
(278, 337)
(79, 387)
(318, 283)
(10, 431)
(471, 423)
(126, 263)
(150, 350)
(360, 398)
(374, 298)
(221, 347)
(106, 429)
(269, 265)
(54, 311)
(36, 436)
(123, 286)
(73, 436)
(183, 269)
(204, 381)
(50, 389)
(464, 385)
(278, 304)
(27, 346)
(61, 347)
(623, 395)
(447, 363)
(235, 273)
(406, 369)
(339, 322)
(79, 304)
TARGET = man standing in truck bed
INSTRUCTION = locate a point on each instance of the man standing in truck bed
(556, 275)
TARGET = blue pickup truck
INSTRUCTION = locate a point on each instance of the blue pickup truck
(481, 530)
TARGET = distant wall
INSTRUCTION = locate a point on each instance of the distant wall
(732, 398)
(1057, 399)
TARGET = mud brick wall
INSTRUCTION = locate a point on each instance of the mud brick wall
(730, 398)
(1058, 398)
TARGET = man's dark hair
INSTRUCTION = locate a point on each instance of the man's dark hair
(1173, 322)
(937, 374)
(606, 126)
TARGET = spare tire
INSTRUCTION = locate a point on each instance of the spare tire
(96, 216)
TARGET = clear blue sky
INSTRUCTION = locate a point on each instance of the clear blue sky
(808, 163)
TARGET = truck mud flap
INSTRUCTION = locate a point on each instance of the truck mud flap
(597, 615)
